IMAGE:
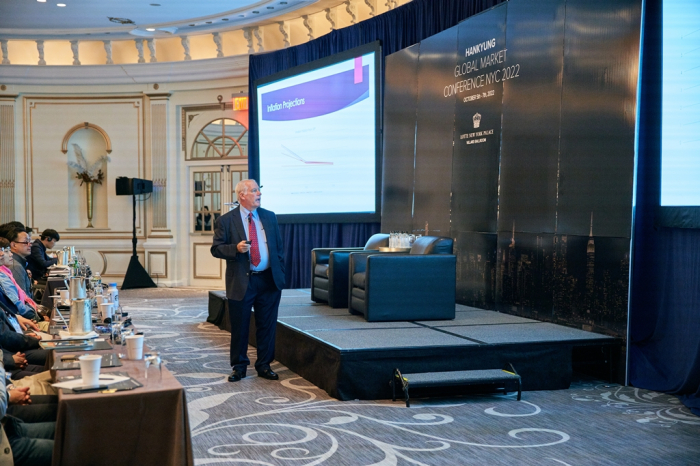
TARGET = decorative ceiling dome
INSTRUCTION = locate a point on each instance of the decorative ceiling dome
(136, 32)
(121, 19)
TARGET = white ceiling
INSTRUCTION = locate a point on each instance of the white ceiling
(89, 19)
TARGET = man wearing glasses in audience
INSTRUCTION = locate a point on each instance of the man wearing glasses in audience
(20, 245)
(39, 261)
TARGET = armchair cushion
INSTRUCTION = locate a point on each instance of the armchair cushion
(321, 270)
(432, 245)
(377, 241)
(358, 280)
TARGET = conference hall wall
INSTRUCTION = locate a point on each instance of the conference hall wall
(513, 133)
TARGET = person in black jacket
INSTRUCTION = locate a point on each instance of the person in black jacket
(38, 261)
(248, 238)
(11, 337)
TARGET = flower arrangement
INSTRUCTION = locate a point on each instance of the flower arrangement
(87, 174)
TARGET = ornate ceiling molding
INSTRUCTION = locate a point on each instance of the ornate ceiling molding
(136, 73)
(254, 13)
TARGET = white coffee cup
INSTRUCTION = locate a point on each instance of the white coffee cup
(90, 369)
(65, 296)
(134, 347)
(99, 299)
(106, 310)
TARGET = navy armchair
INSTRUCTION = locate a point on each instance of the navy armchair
(329, 271)
(419, 285)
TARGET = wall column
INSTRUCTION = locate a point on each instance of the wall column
(159, 159)
(7, 158)
(159, 246)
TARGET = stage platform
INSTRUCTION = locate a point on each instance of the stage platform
(351, 358)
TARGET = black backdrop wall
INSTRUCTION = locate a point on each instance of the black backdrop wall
(524, 153)
(397, 29)
(664, 342)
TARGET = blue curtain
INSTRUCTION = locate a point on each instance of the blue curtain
(397, 29)
(664, 332)
(300, 239)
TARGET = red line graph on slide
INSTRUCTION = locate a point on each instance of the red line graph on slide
(290, 153)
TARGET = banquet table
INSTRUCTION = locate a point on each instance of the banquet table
(148, 425)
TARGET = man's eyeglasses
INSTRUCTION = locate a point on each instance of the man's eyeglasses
(22, 242)
(4, 250)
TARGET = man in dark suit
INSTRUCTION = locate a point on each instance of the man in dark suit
(248, 238)
(38, 260)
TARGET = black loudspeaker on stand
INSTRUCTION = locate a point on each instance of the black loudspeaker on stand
(136, 276)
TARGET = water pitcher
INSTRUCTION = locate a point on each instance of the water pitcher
(80, 317)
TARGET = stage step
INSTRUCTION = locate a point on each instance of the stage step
(507, 377)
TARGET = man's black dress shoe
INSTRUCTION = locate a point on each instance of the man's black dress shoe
(268, 374)
(235, 376)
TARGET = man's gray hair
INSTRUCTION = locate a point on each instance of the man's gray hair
(242, 187)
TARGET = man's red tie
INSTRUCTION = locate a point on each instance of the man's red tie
(254, 247)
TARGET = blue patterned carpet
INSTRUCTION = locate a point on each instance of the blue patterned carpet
(291, 422)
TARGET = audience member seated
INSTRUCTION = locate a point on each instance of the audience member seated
(12, 337)
(17, 367)
(22, 355)
(15, 362)
(29, 407)
(21, 248)
(25, 305)
(39, 261)
(31, 442)
(6, 228)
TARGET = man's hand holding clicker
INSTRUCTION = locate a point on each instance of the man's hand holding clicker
(243, 247)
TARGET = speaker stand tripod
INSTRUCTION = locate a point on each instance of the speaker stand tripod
(136, 276)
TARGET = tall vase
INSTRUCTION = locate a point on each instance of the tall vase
(89, 186)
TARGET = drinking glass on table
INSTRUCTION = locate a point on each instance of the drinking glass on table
(116, 333)
(125, 333)
(154, 362)
(119, 333)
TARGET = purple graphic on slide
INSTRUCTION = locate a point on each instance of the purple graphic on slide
(319, 97)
